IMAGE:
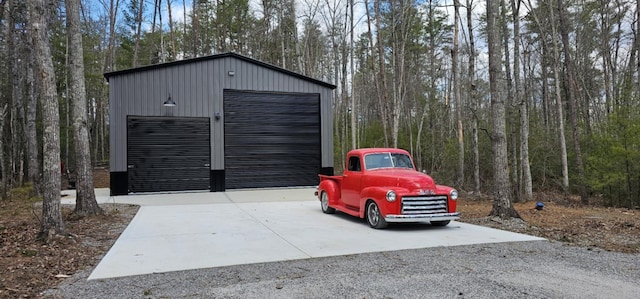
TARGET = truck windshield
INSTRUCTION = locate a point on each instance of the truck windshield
(387, 160)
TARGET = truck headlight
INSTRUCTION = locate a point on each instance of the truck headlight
(391, 196)
(453, 194)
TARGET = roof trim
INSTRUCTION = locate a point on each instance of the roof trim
(213, 57)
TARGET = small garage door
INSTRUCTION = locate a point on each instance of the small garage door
(168, 154)
(271, 139)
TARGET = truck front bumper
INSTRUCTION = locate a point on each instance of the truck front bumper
(422, 217)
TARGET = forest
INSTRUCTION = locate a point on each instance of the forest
(504, 98)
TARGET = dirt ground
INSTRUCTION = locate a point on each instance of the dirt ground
(29, 267)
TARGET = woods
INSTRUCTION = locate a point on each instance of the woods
(506, 99)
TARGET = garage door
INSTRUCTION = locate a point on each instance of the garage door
(271, 139)
(168, 154)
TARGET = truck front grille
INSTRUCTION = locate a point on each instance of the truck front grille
(424, 204)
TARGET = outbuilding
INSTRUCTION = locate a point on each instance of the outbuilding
(215, 123)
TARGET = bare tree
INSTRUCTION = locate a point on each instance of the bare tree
(556, 79)
(33, 157)
(456, 93)
(3, 168)
(86, 204)
(473, 98)
(110, 6)
(527, 192)
(502, 205)
(174, 50)
(39, 28)
(136, 46)
(572, 92)
(379, 74)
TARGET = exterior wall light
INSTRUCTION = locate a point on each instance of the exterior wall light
(231, 73)
(169, 102)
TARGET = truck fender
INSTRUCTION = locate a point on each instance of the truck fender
(377, 194)
(331, 187)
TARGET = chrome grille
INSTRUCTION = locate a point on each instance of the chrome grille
(424, 204)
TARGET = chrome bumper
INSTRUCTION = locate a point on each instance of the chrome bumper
(422, 217)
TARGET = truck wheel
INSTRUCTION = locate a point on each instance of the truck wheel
(374, 218)
(440, 223)
(324, 203)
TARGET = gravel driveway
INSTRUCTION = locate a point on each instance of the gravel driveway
(536, 269)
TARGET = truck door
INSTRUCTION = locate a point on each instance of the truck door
(351, 182)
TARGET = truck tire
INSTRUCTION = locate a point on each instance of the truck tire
(324, 204)
(374, 218)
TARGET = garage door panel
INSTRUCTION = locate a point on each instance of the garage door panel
(169, 139)
(170, 162)
(169, 150)
(168, 154)
(271, 139)
(169, 185)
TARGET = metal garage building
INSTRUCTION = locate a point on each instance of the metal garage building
(218, 122)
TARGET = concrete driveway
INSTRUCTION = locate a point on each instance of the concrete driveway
(173, 232)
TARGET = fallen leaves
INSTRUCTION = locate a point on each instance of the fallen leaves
(615, 229)
(29, 267)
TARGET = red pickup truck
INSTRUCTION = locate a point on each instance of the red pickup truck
(383, 186)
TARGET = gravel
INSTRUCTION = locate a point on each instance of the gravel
(538, 269)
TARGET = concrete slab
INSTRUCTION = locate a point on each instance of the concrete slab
(201, 230)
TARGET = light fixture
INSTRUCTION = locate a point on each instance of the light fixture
(169, 102)
(217, 115)
(231, 73)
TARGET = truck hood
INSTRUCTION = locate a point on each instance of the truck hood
(413, 181)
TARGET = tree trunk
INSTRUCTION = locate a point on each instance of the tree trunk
(456, 93)
(502, 206)
(527, 189)
(171, 32)
(511, 98)
(556, 79)
(136, 46)
(380, 90)
(86, 204)
(354, 111)
(473, 99)
(109, 56)
(3, 167)
(39, 29)
(572, 91)
(33, 157)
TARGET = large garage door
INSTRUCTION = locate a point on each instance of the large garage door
(271, 139)
(168, 154)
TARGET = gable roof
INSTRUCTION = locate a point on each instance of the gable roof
(217, 56)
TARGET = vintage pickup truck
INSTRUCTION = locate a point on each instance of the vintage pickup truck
(383, 186)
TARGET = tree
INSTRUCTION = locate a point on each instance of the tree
(502, 205)
(86, 204)
(527, 192)
(473, 100)
(571, 90)
(3, 168)
(31, 133)
(456, 94)
(39, 29)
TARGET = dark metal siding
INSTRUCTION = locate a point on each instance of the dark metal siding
(168, 153)
(271, 139)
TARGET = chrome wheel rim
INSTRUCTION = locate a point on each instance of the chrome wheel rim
(325, 201)
(373, 214)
